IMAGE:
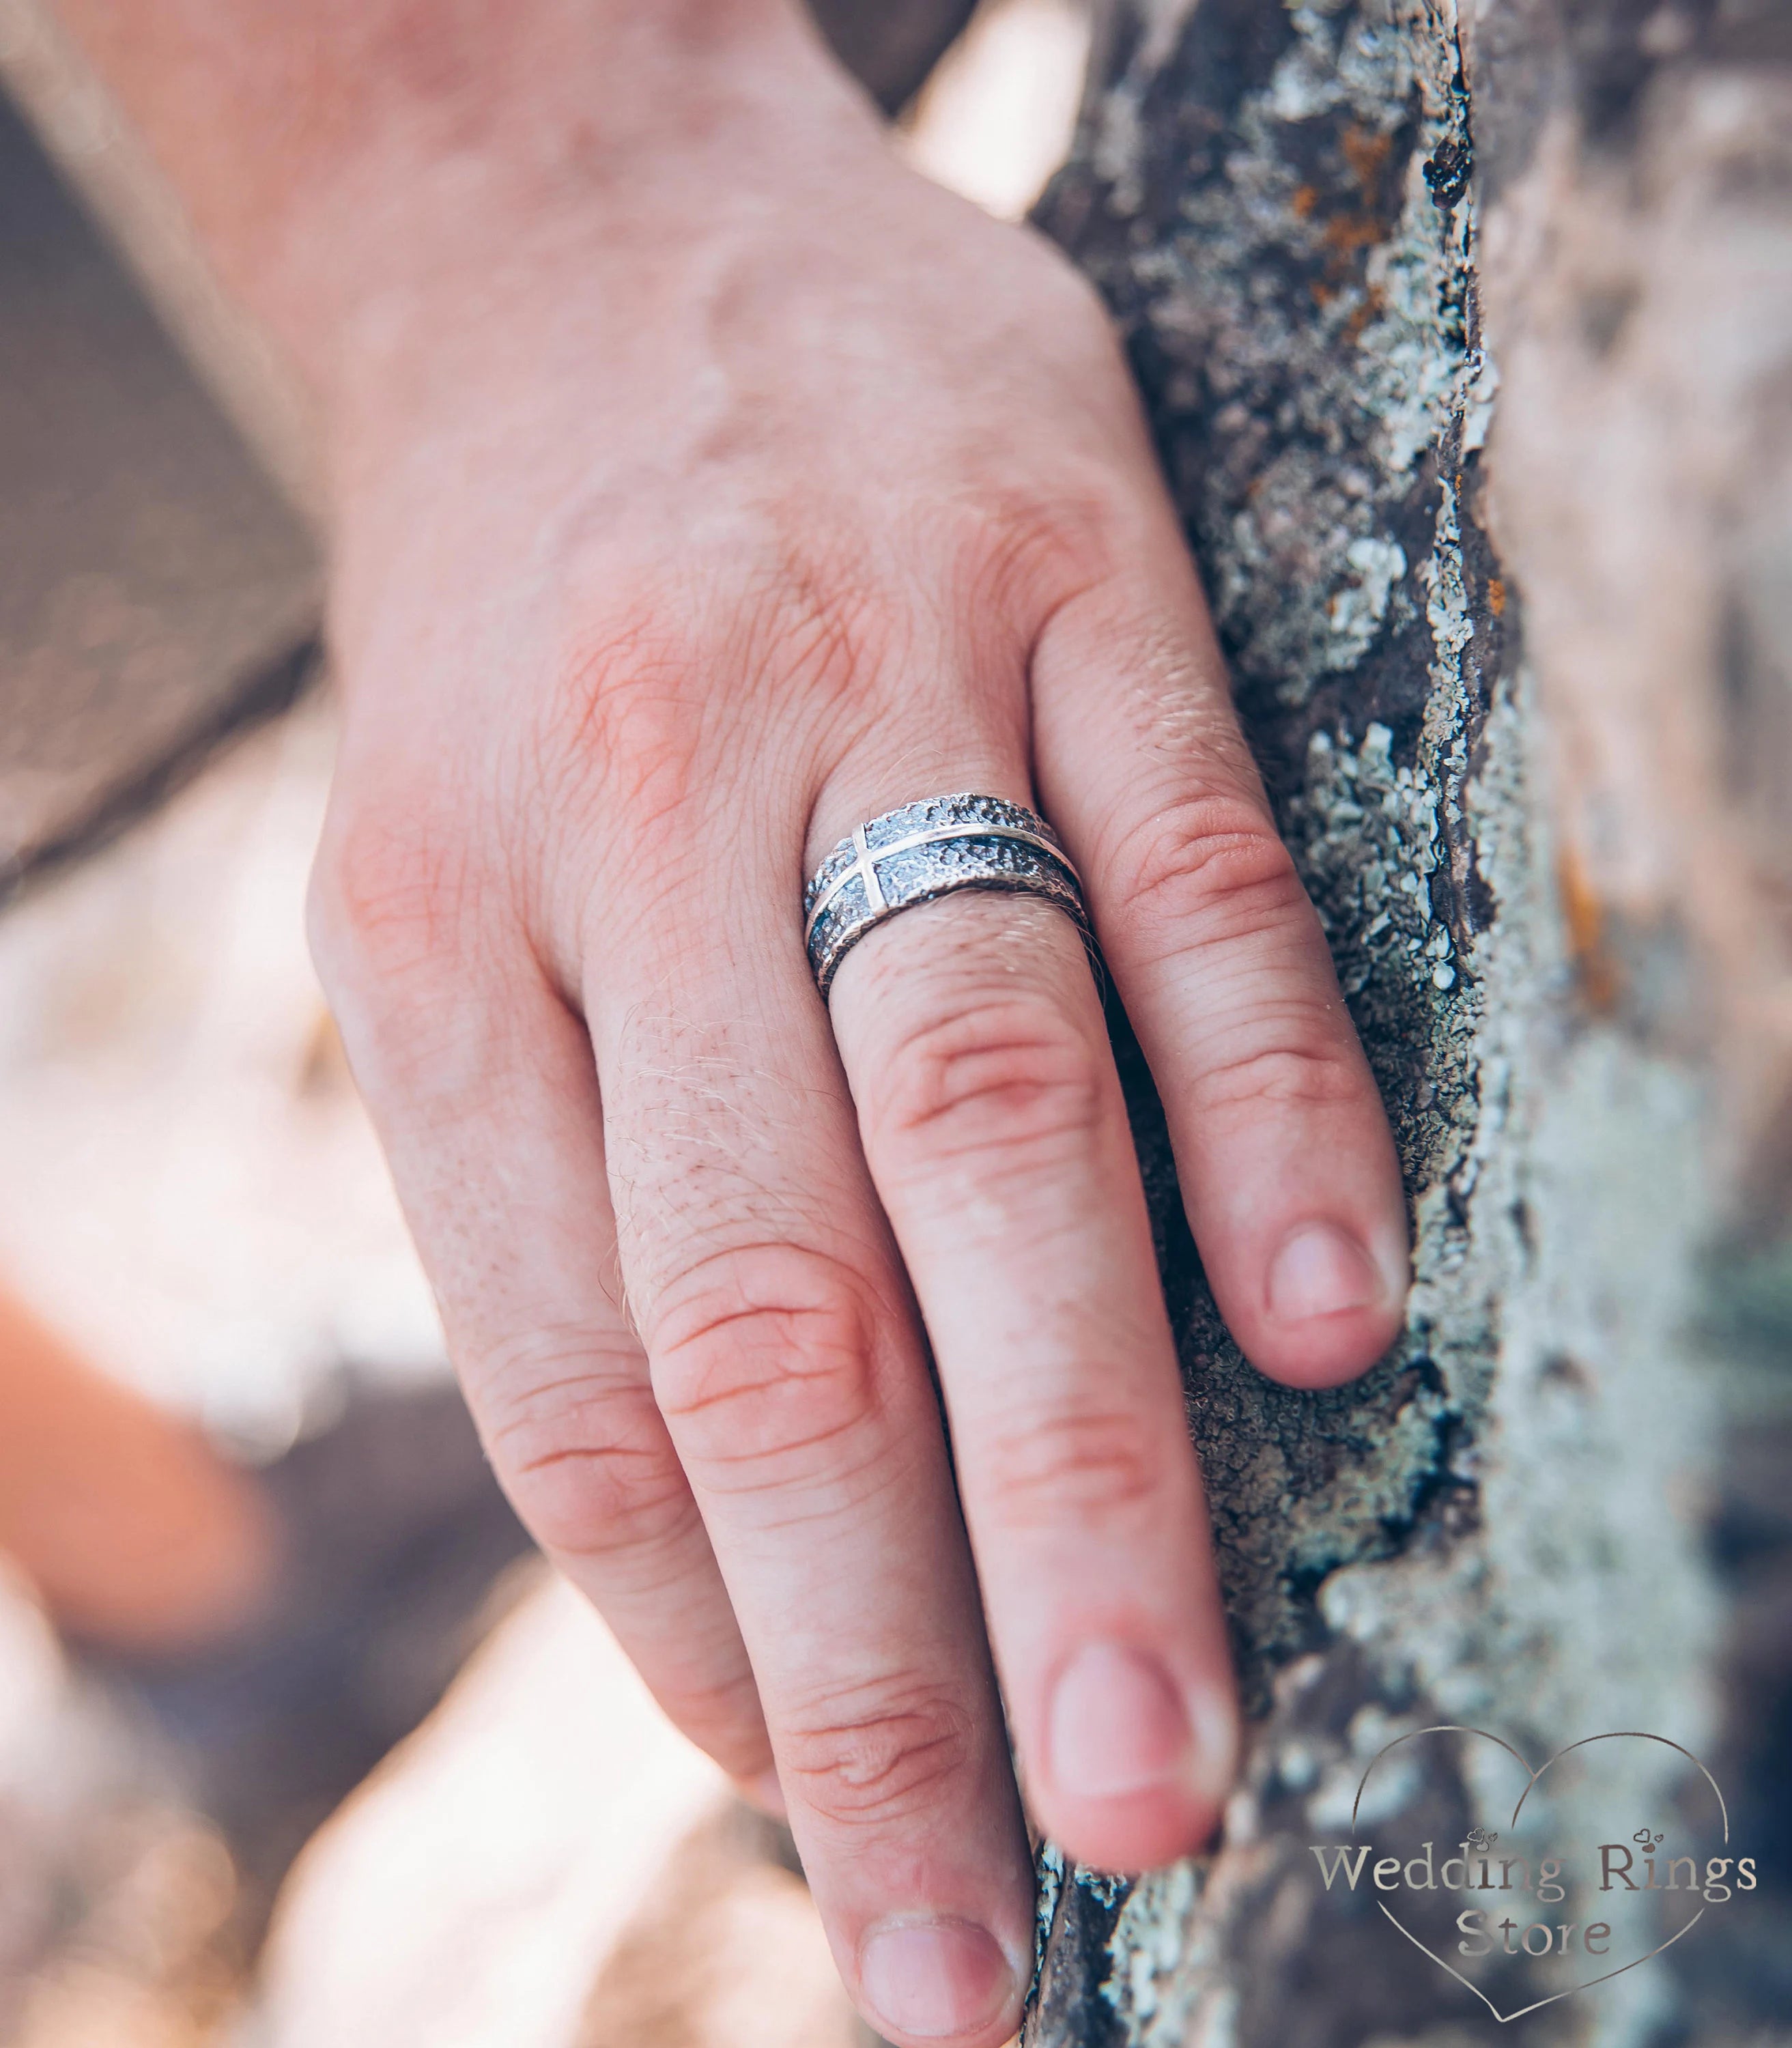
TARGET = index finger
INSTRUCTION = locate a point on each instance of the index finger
(1282, 1147)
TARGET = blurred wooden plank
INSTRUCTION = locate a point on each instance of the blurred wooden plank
(156, 591)
(890, 46)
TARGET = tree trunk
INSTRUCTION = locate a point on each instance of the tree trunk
(1466, 335)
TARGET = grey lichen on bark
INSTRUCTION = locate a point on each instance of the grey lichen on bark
(1466, 340)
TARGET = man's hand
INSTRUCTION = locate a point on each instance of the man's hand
(706, 484)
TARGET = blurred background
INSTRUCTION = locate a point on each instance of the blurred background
(298, 1745)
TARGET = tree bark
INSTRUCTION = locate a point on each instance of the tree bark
(1466, 335)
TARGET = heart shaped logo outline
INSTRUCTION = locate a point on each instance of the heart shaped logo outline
(1532, 1778)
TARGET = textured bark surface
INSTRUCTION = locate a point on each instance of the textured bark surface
(1467, 339)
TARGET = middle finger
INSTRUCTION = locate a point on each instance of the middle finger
(996, 1133)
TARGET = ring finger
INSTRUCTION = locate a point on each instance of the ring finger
(788, 1362)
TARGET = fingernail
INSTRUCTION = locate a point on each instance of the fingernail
(1117, 1725)
(932, 1978)
(1320, 1270)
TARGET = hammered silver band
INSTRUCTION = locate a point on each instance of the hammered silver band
(921, 851)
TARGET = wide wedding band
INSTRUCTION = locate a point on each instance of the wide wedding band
(921, 851)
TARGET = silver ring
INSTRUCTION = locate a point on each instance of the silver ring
(923, 850)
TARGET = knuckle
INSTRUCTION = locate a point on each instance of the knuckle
(818, 621)
(388, 896)
(764, 1364)
(1298, 1070)
(1012, 1075)
(622, 709)
(637, 729)
(1025, 550)
(581, 1447)
(1076, 1460)
(877, 1753)
(589, 1499)
(1207, 871)
(1211, 877)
